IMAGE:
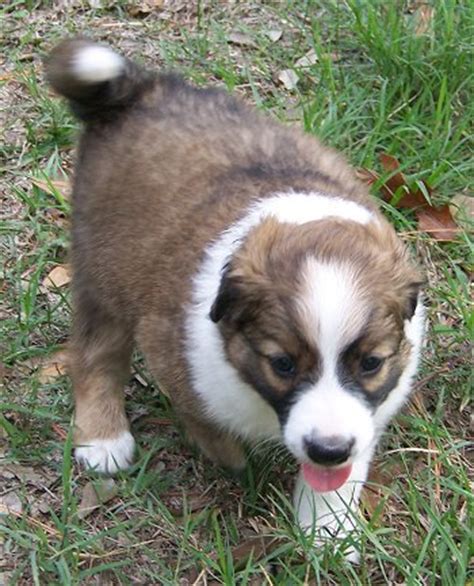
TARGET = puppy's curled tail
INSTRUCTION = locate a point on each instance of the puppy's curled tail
(98, 82)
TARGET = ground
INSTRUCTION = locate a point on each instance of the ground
(376, 77)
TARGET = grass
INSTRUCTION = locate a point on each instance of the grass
(380, 84)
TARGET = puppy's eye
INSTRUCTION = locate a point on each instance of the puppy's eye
(371, 364)
(283, 365)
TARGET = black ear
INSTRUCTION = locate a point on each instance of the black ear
(227, 296)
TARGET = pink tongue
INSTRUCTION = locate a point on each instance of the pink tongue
(325, 479)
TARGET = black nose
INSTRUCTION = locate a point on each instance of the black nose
(330, 450)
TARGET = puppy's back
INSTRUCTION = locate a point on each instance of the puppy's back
(164, 167)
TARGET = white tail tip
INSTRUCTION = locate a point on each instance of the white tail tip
(95, 64)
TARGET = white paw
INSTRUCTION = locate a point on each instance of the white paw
(337, 539)
(107, 455)
(352, 555)
(339, 532)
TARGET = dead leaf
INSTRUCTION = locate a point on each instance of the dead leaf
(398, 181)
(41, 506)
(308, 59)
(59, 431)
(387, 188)
(389, 163)
(367, 176)
(54, 186)
(57, 277)
(95, 494)
(53, 366)
(288, 78)
(178, 503)
(241, 39)
(10, 503)
(438, 223)
(50, 373)
(254, 548)
(274, 35)
(462, 209)
(144, 8)
(423, 18)
(26, 474)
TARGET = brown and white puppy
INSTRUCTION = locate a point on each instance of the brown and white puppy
(268, 294)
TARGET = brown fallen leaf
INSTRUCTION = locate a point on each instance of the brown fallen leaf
(53, 366)
(50, 373)
(410, 199)
(54, 186)
(95, 494)
(387, 189)
(254, 548)
(367, 175)
(57, 277)
(288, 78)
(241, 39)
(59, 431)
(438, 223)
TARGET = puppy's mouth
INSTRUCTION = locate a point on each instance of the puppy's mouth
(325, 478)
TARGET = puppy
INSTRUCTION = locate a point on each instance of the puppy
(270, 297)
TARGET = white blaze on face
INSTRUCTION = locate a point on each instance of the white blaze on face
(334, 310)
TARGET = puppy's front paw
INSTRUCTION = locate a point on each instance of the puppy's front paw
(338, 532)
(107, 455)
(352, 555)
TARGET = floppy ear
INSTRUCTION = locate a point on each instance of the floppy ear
(238, 298)
(412, 296)
(245, 281)
(227, 296)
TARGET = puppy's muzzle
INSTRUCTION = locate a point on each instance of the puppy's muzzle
(328, 451)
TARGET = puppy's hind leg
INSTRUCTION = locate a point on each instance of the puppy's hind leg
(100, 364)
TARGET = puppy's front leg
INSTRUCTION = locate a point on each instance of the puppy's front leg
(331, 514)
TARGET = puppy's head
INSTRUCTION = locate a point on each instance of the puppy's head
(313, 317)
